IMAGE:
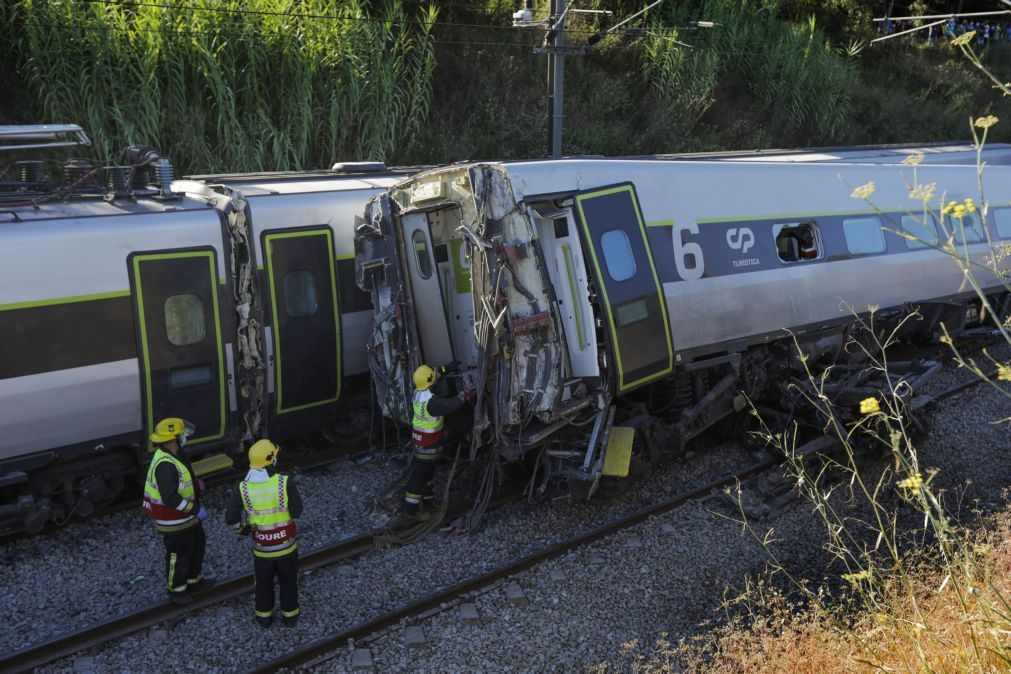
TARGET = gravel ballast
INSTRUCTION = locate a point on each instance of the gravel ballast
(663, 580)
(89, 571)
(665, 576)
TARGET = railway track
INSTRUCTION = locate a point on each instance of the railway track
(132, 502)
(123, 625)
(98, 634)
(324, 649)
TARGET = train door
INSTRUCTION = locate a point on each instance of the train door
(621, 264)
(426, 290)
(305, 324)
(563, 256)
(181, 345)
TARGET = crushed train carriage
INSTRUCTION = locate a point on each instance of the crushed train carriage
(610, 310)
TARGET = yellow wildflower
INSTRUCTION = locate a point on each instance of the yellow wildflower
(970, 205)
(864, 191)
(869, 406)
(986, 122)
(855, 578)
(965, 39)
(949, 207)
(923, 192)
(959, 211)
(873, 308)
(1004, 372)
(912, 483)
(913, 159)
(945, 339)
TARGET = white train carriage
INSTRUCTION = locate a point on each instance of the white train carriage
(567, 287)
(226, 300)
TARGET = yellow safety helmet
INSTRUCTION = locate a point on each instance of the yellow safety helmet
(171, 429)
(424, 377)
(263, 453)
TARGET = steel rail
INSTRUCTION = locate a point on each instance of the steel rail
(309, 461)
(322, 649)
(958, 388)
(98, 634)
(95, 635)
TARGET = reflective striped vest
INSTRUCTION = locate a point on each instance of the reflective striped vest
(165, 517)
(266, 503)
(426, 431)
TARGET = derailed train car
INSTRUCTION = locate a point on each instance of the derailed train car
(127, 296)
(609, 310)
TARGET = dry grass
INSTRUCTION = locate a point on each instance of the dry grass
(934, 623)
(927, 622)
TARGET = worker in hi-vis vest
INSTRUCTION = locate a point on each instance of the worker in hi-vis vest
(432, 402)
(172, 500)
(270, 503)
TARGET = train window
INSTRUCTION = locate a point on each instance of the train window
(184, 319)
(299, 293)
(1003, 218)
(971, 224)
(618, 255)
(422, 254)
(863, 235)
(922, 227)
(631, 312)
(190, 377)
(795, 243)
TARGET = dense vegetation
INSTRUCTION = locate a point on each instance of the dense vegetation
(241, 85)
(230, 85)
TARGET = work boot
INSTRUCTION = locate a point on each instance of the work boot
(180, 598)
(201, 583)
(403, 519)
(264, 622)
(289, 621)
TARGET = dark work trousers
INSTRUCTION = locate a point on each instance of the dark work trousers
(285, 569)
(184, 557)
(420, 478)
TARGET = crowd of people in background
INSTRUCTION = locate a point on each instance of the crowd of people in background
(988, 32)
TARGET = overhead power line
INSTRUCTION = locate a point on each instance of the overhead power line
(955, 15)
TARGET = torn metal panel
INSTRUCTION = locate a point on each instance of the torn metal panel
(250, 368)
(514, 340)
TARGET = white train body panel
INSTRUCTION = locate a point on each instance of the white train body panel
(729, 307)
(65, 269)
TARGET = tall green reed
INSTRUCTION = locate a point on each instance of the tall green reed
(236, 85)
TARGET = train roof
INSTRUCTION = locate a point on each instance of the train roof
(348, 176)
(94, 206)
(958, 153)
(190, 193)
(949, 153)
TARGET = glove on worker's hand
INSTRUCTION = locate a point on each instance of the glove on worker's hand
(202, 514)
(471, 395)
(244, 530)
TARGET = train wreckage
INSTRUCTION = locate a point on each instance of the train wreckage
(607, 311)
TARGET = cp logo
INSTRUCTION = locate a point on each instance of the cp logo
(740, 239)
